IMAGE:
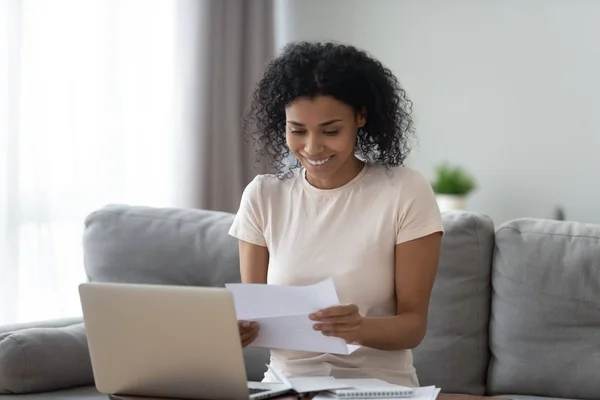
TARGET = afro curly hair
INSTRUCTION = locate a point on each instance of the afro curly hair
(310, 69)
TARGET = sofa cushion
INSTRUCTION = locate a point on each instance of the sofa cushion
(129, 244)
(454, 353)
(545, 322)
(52, 323)
(79, 393)
(41, 359)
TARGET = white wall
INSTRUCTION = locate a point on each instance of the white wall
(510, 89)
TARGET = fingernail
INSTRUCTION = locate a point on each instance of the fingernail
(253, 324)
(319, 314)
(246, 324)
(312, 316)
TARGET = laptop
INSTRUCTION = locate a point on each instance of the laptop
(159, 341)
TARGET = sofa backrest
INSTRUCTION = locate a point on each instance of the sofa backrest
(545, 314)
(129, 244)
(455, 352)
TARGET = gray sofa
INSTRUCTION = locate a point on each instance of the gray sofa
(514, 312)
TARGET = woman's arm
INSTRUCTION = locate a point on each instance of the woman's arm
(416, 268)
(254, 261)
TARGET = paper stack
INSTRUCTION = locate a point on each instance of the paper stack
(328, 387)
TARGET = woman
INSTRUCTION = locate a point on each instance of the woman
(345, 208)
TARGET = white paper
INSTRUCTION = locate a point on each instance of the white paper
(369, 383)
(308, 384)
(282, 313)
(260, 301)
(317, 384)
(426, 393)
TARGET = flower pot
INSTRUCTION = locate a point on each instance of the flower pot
(449, 202)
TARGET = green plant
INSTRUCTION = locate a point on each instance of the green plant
(453, 180)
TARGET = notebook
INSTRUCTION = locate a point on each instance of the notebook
(377, 389)
(372, 389)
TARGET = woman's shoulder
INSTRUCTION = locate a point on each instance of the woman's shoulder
(271, 183)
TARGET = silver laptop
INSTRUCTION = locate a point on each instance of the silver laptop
(167, 342)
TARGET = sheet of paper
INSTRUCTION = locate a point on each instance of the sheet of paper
(316, 384)
(308, 384)
(283, 315)
(426, 393)
(295, 332)
(254, 301)
(369, 383)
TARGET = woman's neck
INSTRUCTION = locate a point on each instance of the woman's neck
(348, 171)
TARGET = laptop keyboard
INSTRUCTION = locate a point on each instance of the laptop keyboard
(254, 391)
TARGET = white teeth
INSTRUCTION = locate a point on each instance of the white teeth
(319, 162)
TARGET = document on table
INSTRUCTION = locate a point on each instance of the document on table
(308, 384)
(420, 393)
(328, 387)
(283, 315)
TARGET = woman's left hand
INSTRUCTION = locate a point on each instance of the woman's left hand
(339, 321)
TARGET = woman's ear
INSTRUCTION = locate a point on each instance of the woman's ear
(361, 117)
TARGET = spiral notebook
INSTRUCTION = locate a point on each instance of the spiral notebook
(377, 389)
(373, 393)
(372, 390)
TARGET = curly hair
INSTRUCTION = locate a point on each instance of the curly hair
(309, 69)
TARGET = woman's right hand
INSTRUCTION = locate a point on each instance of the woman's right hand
(248, 332)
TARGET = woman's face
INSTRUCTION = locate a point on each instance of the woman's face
(321, 132)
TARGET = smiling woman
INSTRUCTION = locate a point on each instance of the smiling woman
(324, 146)
(358, 83)
(347, 209)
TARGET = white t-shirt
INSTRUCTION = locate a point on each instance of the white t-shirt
(349, 234)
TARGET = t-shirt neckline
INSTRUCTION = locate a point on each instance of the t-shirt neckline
(331, 192)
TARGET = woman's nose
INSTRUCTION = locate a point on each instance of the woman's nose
(313, 145)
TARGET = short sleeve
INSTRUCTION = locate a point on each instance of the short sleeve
(248, 224)
(419, 214)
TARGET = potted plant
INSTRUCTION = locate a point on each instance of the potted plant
(452, 185)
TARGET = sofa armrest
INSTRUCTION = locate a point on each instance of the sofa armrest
(44, 356)
(51, 323)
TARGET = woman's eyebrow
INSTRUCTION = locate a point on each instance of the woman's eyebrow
(321, 124)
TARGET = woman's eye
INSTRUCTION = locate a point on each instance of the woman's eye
(296, 132)
(330, 132)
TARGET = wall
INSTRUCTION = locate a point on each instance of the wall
(509, 89)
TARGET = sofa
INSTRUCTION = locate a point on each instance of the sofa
(515, 309)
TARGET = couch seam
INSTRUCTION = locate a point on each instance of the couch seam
(547, 233)
(478, 290)
(25, 370)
